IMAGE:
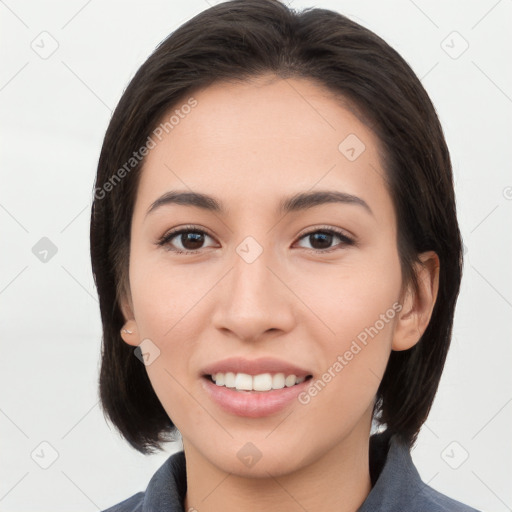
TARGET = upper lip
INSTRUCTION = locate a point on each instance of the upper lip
(254, 367)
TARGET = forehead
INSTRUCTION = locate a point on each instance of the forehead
(262, 138)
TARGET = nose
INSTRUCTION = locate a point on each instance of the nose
(253, 300)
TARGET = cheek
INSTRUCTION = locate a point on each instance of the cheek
(354, 294)
(164, 298)
(359, 306)
(166, 306)
(352, 363)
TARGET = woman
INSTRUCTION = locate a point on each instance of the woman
(276, 250)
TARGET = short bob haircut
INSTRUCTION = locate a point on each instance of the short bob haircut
(235, 41)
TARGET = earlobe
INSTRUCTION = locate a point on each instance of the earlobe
(129, 333)
(418, 304)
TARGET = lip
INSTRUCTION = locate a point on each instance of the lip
(254, 367)
(252, 404)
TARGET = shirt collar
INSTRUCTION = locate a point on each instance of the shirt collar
(395, 481)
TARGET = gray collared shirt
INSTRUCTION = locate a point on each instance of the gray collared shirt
(396, 485)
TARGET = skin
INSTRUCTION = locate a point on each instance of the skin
(251, 144)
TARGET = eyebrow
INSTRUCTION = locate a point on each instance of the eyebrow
(295, 203)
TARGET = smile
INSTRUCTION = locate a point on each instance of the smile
(253, 403)
(261, 382)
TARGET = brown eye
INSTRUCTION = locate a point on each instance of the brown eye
(185, 240)
(322, 239)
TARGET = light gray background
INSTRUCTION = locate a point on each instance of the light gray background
(54, 112)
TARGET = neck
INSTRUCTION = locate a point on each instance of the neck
(338, 481)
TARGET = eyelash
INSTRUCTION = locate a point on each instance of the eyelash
(166, 239)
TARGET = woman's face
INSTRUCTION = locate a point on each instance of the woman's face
(315, 285)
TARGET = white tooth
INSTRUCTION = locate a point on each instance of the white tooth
(229, 380)
(278, 381)
(243, 381)
(262, 382)
(290, 380)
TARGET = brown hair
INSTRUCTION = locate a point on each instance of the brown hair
(237, 40)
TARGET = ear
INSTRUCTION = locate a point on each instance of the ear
(417, 306)
(129, 331)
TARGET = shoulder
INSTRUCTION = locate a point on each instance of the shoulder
(165, 491)
(132, 504)
(397, 486)
(438, 502)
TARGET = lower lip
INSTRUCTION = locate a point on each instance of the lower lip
(252, 404)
